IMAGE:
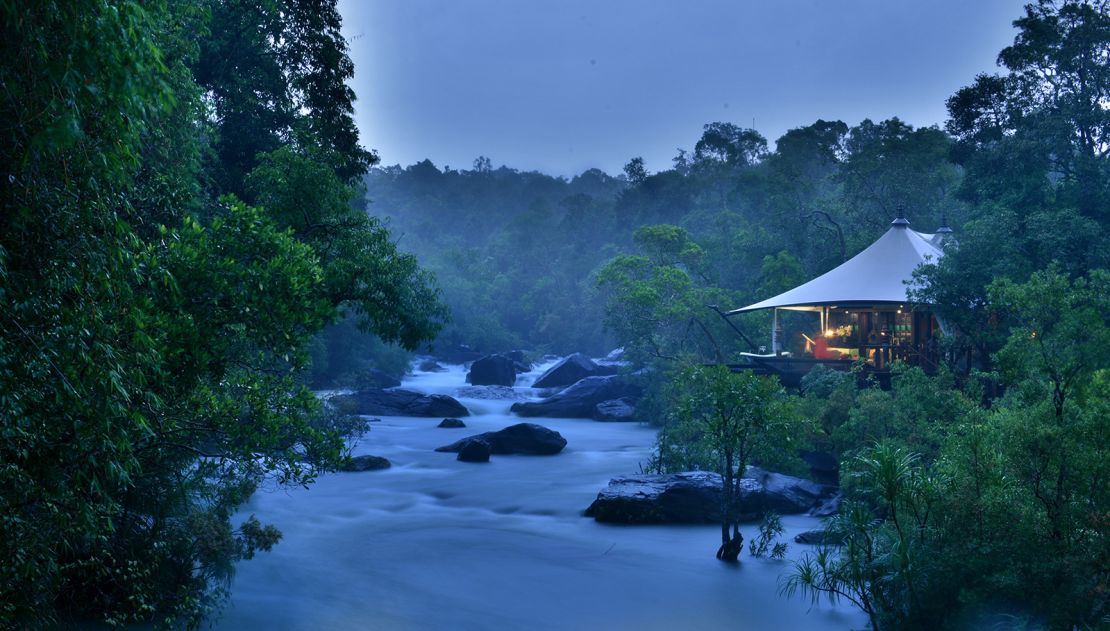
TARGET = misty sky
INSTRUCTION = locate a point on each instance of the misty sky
(564, 86)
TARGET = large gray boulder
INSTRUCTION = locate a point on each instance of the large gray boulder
(568, 371)
(397, 402)
(786, 494)
(522, 438)
(579, 400)
(695, 496)
(492, 370)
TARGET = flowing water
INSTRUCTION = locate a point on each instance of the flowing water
(433, 543)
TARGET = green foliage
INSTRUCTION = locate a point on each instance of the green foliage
(916, 412)
(723, 421)
(885, 567)
(1004, 505)
(765, 544)
(152, 332)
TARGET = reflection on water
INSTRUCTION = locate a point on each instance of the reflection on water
(433, 543)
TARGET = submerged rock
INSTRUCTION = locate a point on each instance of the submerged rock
(695, 496)
(474, 451)
(522, 438)
(579, 400)
(492, 393)
(623, 409)
(451, 423)
(820, 538)
(366, 463)
(397, 402)
(492, 370)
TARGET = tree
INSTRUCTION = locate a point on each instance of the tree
(722, 421)
(1044, 124)
(883, 566)
(151, 336)
(635, 171)
(728, 144)
(274, 74)
(657, 302)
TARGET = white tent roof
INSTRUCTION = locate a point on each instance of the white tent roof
(875, 275)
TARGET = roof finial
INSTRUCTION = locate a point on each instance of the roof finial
(900, 221)
(944, 229)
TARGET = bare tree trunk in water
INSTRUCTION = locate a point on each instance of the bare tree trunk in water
(731, 544)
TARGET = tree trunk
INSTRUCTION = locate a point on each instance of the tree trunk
(732, 544)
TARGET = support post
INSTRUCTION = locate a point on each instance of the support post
(776, 333)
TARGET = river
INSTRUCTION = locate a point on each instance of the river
(433, 543)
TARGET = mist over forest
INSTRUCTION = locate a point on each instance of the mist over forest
(253, 377)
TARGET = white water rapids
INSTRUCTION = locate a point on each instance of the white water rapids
(433, 543)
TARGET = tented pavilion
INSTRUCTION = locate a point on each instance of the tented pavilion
(863, 310)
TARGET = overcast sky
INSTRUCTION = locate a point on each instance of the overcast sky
(564, 86)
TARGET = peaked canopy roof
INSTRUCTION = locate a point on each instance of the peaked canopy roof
(875, 275)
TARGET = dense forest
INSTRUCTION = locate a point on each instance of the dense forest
(192, 235)
(179, 219)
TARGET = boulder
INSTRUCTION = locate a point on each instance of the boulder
(451, 423)
(786, 494)
(819, 538)
(366, 463)
(568, 371)
(623, 409)
(520, 361)
(522, 438)
(492, 370)
(397, 402)
(827, 507)
(492, 393)
(579, 400)
(430, 365)
(474, 451)
(694, 497)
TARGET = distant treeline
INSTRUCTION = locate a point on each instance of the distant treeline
(517, 254)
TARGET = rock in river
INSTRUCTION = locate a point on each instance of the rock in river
(366, 463)
(623, 409)
(579, 400)
(492, 370)
(492, 393)
(474, 451)
(522, 438)
(397, 402)
(568, 371)
(451, 423)
(694, 497)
